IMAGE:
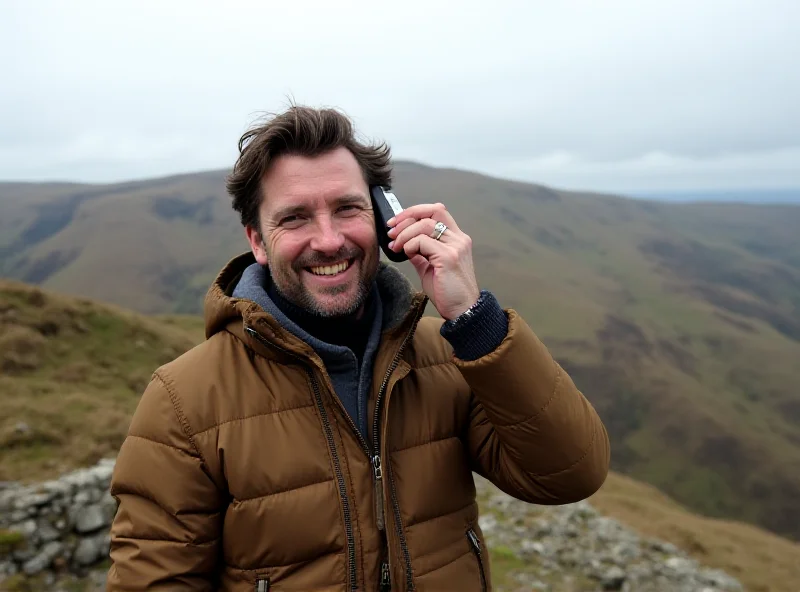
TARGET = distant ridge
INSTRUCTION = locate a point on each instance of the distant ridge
(751, 196)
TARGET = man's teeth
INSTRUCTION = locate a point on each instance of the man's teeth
(330, 269)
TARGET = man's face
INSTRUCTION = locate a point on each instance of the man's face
(318, 232)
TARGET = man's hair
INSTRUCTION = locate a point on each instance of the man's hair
(302, 131)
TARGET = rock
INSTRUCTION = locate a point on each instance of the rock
(102, 475)
(613, 579)
(18, 516)
(59, 489)
(679, 564)
(7, 499)
(32, 500)
(27, 529)
(625, 552)
(46, 532)
(82, 498)
(88, 551)
(22, 429)
(532, 546)
(42, 561)
(664, 547)
(719, 579)
(583, 510)
(90, 518)
(80, 480)
(542, 529)
(24, 553)
(487, 523)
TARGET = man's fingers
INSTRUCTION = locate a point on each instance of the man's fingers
(420, 264)
(425, 227)
(424, 245)
(435, 211)
(400, 226)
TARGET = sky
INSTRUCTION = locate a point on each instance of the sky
(614, 96)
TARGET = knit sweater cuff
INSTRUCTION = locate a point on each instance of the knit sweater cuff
(479, 331)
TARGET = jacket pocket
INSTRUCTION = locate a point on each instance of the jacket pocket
(262, 585)
(475, 545)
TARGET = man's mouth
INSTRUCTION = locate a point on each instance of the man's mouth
(329, 270)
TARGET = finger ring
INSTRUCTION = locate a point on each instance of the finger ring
(439, 230)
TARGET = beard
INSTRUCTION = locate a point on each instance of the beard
(287, 279)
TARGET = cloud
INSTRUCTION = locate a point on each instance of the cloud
(748, 170)
(610, 94)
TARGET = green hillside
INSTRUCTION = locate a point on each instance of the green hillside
(681, 322)
(71, 374)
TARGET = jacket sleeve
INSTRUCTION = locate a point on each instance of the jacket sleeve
(165, 534)
(531, 431)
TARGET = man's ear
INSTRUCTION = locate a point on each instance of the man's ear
(256, 244)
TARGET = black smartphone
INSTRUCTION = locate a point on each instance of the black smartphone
(386, 206)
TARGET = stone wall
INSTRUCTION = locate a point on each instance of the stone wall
(60, 528)
(60, 525)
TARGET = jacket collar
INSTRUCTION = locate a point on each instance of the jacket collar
(401, 307)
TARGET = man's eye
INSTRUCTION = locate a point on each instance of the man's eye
(290, 220)
(348, 208)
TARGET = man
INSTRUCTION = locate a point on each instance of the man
(324, 436)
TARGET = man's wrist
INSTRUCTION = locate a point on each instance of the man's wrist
(467, 308)
(478, 330)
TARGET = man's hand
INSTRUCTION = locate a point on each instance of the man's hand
(444, 266)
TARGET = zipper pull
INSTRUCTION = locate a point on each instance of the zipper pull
(262, 585)
(473, 539)
(378, 473)
(386, 578)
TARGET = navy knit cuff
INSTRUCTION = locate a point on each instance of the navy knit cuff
(478, 334)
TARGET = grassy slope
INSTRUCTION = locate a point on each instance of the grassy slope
(680, 322)
(68, 363)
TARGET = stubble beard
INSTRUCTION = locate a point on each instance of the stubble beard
(288, 283)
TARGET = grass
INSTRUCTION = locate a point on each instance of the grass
(67, 364)
(504, 564)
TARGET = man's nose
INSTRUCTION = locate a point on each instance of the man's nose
(328, 238)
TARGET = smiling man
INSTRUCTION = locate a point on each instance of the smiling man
(325, 434)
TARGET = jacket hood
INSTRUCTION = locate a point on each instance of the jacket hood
(398, 298)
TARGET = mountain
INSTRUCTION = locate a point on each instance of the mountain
(680, 322)
(753, 196)
(72, 371)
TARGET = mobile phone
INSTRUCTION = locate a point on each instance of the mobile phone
(386, 206)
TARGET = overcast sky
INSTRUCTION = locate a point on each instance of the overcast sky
(607, 95)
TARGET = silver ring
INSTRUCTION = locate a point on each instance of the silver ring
(439, 230)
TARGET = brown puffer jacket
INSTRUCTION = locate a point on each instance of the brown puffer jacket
(243, 472)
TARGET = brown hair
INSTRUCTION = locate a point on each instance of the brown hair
(303, 131)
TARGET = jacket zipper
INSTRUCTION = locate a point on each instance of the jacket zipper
(262, 585)
(475, 543)
(373, 456)
(392, 491)
(348, 524)
(385, 584)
